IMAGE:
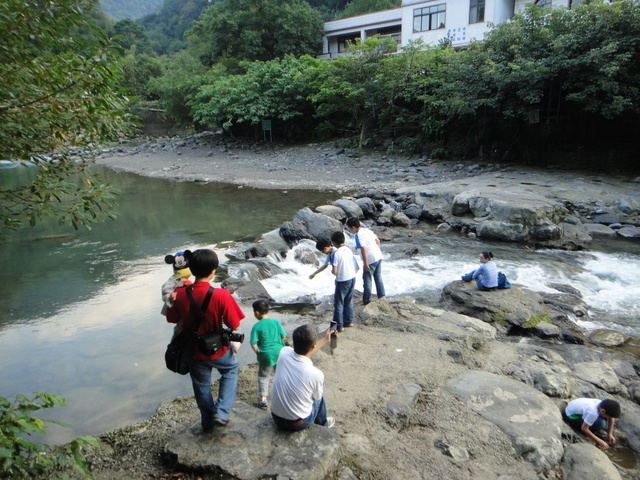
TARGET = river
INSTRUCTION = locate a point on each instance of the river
(79, 311)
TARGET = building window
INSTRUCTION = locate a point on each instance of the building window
(429, 18)
(543, 3)
(476, 11)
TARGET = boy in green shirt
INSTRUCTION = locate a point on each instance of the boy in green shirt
(267, 338)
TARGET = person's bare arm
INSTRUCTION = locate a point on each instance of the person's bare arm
(255, 347)
(365, 260)
(610, 437)
(318, 271)
(322, 342)
(601, 443)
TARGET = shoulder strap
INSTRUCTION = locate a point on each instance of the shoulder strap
(198, 312)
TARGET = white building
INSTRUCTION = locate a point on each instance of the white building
(432, 21)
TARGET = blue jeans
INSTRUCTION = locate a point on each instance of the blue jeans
(200, 371)
(318, 416)
(343, 302)
(375, 271)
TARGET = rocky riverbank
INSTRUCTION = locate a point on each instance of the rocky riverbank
(418, 391)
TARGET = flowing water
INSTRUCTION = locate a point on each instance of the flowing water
(79, 311)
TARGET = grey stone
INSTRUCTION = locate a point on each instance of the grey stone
(413, 211)
(571, 337)
(529, 418)
(634, 391)
(511, 232)
(629, 232)
(606, 218)
(267, 245)
(401, 219)
(250, 447)
(583, 461)
(318, 225)
(599, 374)
(599, 230)
(516, 306)
(401, 402)
(351, 208)
(367, 206)
(608, 338)
(333, 212)
(251, 291)
(547, 330)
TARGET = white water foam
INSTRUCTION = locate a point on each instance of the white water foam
(608, 282)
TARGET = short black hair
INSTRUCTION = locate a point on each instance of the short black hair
(202, 262)
(304, 338)
(487, 255)
(353, 222)
(261, 306)
(337, 238)
(323, 243)
(612, 407)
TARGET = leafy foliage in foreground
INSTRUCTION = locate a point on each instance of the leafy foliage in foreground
(21, 459)
(59, 94)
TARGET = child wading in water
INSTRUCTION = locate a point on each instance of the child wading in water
(267, 339)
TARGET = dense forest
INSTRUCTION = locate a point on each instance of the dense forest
(557, 84)
(119, 9)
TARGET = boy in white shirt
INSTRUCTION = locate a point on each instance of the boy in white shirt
(344, 267)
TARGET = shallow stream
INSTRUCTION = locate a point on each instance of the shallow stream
(79, 311)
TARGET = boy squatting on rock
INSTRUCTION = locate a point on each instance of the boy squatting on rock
(589, 415)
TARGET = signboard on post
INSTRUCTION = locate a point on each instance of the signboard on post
(266, 126)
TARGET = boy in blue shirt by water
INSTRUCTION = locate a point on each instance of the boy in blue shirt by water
(267, 339)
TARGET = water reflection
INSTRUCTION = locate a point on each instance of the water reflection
(47, 268)
(80, 311)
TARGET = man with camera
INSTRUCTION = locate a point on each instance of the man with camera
(219, 309)
(297, 399)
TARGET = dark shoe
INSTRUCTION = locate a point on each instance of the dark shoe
(220, 421)
(348, 325)
(339, 329)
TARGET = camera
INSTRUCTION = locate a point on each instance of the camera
(231, 336)
(334, 337)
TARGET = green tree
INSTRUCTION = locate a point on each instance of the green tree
(257, 30)
(129, 34)
(358, 7)
(166, 28)
(182, 77)
(352, 84)
(22, 459)
(59, 93)
(277, 90)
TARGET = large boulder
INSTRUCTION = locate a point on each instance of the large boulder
(599, 374)
(528, 417)
(516, 306)
(309, 225)
(351, 208)
(269, 245)
(544, 370)
(251, 448)
(583, 461)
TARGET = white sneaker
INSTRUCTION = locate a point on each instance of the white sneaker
(330, 422)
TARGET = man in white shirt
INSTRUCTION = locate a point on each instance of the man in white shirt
(297, 399)
(369, 245)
